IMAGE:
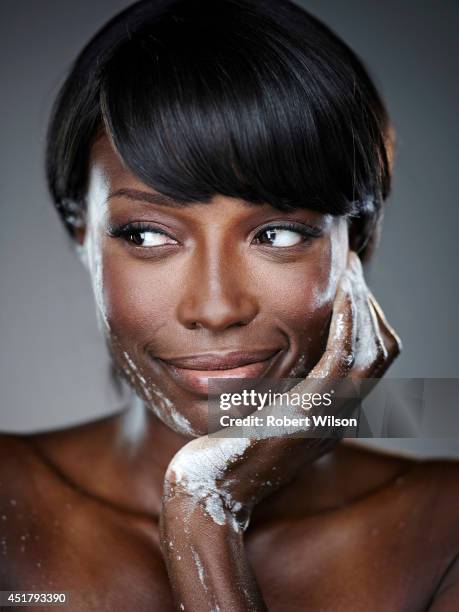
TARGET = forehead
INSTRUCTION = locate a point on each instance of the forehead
(110, 174)
(105, 159)
(120, 188)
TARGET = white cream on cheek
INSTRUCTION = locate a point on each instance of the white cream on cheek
(155, 399)
(91, 252)
(363, 333)
(337, 260)
(91, 256)
(333, 263)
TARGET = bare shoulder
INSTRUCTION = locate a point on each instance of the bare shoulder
(443, 471)
(21, 471)
(15, 454)
(27, 460)
(439, 473)
(11, 442)
(439, 479)
(22, 465)
(425, 489)
(430, 494)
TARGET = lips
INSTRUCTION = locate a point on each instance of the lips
(193, 372)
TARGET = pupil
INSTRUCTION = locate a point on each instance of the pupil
(137, 238)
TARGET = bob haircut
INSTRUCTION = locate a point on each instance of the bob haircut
(251, 99)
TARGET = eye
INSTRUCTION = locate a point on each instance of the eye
(149, 239)
(286, 235)
(142, 235)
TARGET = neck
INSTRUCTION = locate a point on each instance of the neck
(145, 440)
(122, 460)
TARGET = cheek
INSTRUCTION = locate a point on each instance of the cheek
(302, 304)
(303, 295)
(137, 299)
(302, 291)
(138, 302)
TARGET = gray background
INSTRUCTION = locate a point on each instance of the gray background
(53, 366)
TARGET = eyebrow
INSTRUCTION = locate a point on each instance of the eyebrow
(147, 196)
(160, 199)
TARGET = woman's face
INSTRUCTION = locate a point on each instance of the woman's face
(179, 288)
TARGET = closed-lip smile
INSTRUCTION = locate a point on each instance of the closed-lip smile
(192, 372)
(221, 361)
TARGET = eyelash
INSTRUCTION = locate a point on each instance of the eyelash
(308, 232)
(128, 231)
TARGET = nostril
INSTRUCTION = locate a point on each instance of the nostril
(217, 313)
(198, 325)
(242, 323)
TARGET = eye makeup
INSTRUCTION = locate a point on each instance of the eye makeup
(135, 233)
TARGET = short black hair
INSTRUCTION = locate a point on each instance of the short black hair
(252, 99)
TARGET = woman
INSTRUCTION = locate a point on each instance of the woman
(221, 167)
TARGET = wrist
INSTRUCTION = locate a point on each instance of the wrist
(198, 510)
(206, 561)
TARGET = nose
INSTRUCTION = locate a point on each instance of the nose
(216, 294)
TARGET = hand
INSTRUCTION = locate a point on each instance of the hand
(218, 472)
(220, 480)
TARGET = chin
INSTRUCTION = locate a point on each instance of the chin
(188, 425)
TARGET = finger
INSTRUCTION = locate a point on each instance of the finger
(371, 352)
(392, 340)
(337, 359)
(374, 352)
(339, 354)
